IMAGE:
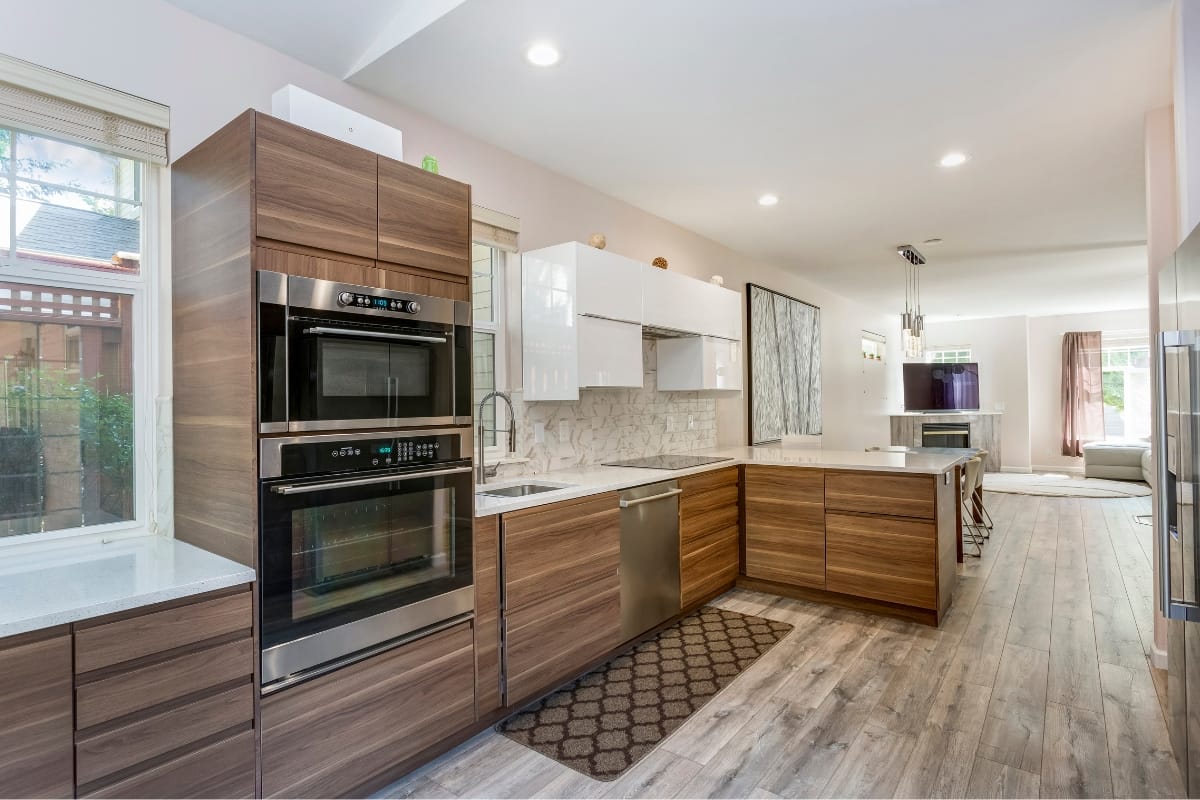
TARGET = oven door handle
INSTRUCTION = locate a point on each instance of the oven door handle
(407, 337)
(292, 488)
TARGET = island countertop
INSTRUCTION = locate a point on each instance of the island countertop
(595, 479)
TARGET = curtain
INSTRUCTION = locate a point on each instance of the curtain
(1082, 391)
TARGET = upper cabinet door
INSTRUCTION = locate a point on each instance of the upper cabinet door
(680, 303)
(314, 191)
(424, 219)
(610, 285)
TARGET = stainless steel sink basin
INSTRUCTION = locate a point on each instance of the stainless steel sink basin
(519, 490)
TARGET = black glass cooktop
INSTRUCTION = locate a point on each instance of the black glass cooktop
(668, 462)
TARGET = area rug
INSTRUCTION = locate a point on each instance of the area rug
(608, 720)
(1058, 485)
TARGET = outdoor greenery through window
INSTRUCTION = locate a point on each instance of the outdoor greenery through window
(487, 295)
(70, 263)
(1126, 375)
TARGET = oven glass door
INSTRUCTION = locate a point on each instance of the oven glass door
(334, 553)
(350, 374)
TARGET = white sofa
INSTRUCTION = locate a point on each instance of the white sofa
(1121, 461)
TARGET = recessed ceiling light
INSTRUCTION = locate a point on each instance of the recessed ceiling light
(955, 159)
(542, 54)
(932, 241)
(768, 200)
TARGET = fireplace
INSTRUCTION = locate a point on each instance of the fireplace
(945, 434)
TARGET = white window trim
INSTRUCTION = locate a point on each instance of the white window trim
(151, 364)
(496, 327)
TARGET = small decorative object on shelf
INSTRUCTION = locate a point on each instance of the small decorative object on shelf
(598, 241)
(717, 280)
(429, 164)
(660, 262)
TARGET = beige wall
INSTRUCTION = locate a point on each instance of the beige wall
(1001, 347)
(208, 75)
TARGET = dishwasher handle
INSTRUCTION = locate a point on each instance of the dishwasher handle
(651, 498)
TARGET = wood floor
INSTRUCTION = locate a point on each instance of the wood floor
(1038, 684)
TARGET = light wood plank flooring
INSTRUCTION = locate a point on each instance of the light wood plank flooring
(1037, 684)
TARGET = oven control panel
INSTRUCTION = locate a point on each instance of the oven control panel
(310, 458)
(370, 301)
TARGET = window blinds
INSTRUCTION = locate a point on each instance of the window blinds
(494, 229)
(48, 103)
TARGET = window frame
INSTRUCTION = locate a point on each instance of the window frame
(963, 354)
(1128, 344)
(150, 292)
(496, 328)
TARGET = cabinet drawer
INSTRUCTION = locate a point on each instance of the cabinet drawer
(785, 484)
(138, 689)
(785, 542)
(35, 715)
(113, 750)
(552, 641)
(881, 493)
(708, 565)
(221, 769)
(127, 639)
(711, 511)
(884, 559)
(708, 481)
(328, 736)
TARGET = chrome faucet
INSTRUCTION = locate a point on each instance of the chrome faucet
(482, 473)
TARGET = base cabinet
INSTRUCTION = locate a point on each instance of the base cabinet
(357, 728)
(785, 525)
(708, 535)
(562, 591)
(36, 748)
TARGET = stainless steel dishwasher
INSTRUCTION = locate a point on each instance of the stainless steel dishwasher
(649, 556)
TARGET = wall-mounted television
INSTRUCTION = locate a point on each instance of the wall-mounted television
(941, 387)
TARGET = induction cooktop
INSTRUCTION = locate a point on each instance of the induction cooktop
(668, 462)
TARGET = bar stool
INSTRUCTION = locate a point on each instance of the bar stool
(972, 472)
(977, 500)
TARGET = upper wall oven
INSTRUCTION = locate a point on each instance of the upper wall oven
(335, 356)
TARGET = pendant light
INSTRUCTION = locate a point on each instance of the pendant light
(912, 321)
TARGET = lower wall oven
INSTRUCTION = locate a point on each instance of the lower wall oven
(365, 541)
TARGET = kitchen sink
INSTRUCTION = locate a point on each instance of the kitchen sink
(520, 490)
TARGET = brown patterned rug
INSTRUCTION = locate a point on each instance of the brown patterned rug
(606, 721)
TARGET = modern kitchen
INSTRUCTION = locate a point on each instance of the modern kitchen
(323, 478)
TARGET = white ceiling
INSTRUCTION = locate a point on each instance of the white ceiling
(690, 109)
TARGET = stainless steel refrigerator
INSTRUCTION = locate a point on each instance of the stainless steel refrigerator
(1177, 452)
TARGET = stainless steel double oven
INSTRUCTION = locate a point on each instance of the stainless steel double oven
(366, 490)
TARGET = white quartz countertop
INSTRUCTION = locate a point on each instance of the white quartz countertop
(58, 582)
(585, 481)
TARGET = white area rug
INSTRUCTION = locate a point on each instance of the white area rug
(1058, 485)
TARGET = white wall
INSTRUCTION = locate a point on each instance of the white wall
(208, 75)
(1045, 377)
(1001, 347)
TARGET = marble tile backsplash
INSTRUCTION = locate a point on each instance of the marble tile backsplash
(608, 424)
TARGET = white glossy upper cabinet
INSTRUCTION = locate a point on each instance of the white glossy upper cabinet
(680, 303)
(608, 285)
(696, 363)
(610, 353)
(549, 333)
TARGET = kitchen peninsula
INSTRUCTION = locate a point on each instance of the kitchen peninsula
(870, 530)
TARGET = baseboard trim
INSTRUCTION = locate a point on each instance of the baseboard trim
(1158, 657)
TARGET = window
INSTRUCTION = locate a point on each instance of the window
(948, 355)
(1125, 361)
(487, 299)
(77, 349)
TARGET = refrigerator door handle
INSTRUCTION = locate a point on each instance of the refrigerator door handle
(1185, 480)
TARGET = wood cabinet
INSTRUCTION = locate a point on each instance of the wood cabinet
(36, 715)
(164, 700)
(354, 730)
(882, 558)
(424, 219)
(488, 691)
(785, 525)
(708, 535)
(885, 493)
(313, 190)
(562, 590)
